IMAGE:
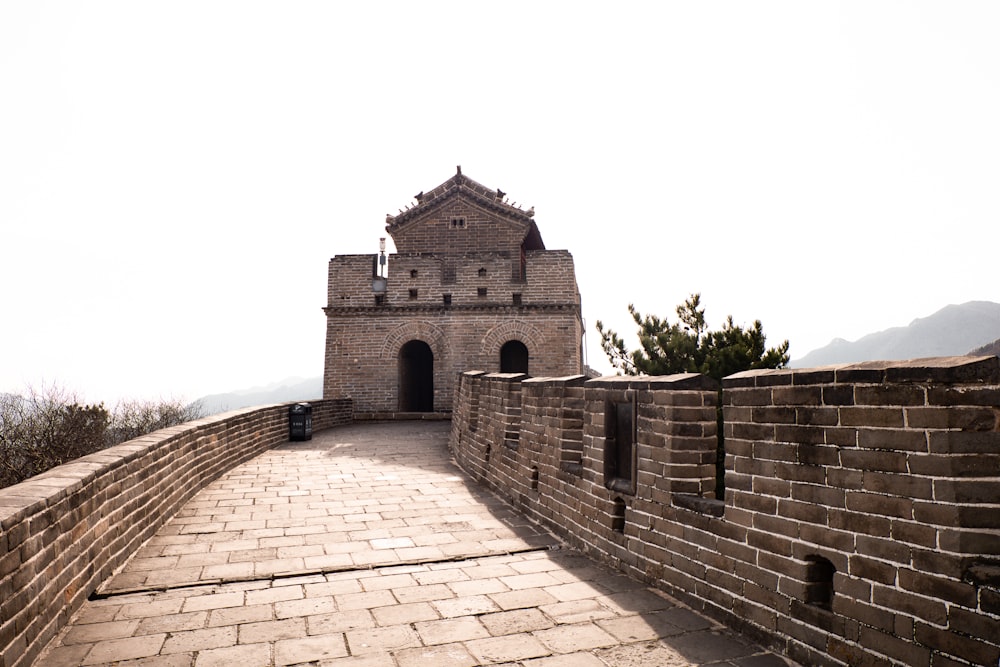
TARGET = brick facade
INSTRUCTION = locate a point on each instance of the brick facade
(470, 274)
(861, 521)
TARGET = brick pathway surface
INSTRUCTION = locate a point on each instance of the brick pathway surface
(366, 547)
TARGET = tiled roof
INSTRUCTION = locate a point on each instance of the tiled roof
(459, 183)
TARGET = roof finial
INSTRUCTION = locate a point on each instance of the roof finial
(459, 167)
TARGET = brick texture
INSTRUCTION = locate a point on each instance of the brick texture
(65, 531)
(861, 501)
(470, 274)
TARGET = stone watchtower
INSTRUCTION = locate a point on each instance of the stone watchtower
(471, 287)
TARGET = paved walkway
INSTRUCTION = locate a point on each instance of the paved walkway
(366, 547)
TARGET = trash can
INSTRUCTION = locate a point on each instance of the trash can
(300, 422)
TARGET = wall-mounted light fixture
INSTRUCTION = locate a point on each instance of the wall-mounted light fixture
(379, 281)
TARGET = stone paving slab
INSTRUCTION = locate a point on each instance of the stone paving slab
(366, 547)
(345, 500)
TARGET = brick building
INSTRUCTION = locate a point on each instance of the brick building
(470, 287)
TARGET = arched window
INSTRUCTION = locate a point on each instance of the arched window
(514, 357)
(416, 377)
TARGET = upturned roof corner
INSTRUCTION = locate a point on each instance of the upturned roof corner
(459, 184)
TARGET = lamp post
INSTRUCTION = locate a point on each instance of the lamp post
(379, 282)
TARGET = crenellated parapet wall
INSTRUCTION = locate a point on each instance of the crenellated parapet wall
(65, 531)
(861, 519)
(888, 473)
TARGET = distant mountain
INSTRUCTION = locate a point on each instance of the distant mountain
(289, 389)
(986, 350)
(953, 330)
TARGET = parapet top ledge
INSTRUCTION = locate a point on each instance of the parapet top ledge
(565, 379)
(653, 382)
(945, 370)
(678, 381)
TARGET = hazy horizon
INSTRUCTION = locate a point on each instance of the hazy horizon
(175, 177)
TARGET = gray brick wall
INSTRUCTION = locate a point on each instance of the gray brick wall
(459, 289)
(65, 531)
(861, 523)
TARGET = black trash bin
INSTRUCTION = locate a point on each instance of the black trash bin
(300, 422)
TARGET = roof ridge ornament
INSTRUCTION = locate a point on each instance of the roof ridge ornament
(458, 185)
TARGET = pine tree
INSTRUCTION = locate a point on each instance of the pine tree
(687, 346)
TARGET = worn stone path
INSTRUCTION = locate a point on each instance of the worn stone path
(367, 547)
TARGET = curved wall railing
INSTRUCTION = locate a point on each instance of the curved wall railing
(65, 531)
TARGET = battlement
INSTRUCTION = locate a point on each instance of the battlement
(860, 522)
(472, 280)
(471, 286)
(861, 517)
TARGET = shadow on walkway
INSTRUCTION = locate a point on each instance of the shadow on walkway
(368, 547)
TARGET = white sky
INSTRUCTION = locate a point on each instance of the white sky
(174, 176)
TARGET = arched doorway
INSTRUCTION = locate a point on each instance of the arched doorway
(514, 357)
(416, 377)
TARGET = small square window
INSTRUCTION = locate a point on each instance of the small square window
(481, 291)
(413, 294)
(446, 298)
(482, 273)
(413, 273)
(380, 299)
(458, 223)
(516, 298)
